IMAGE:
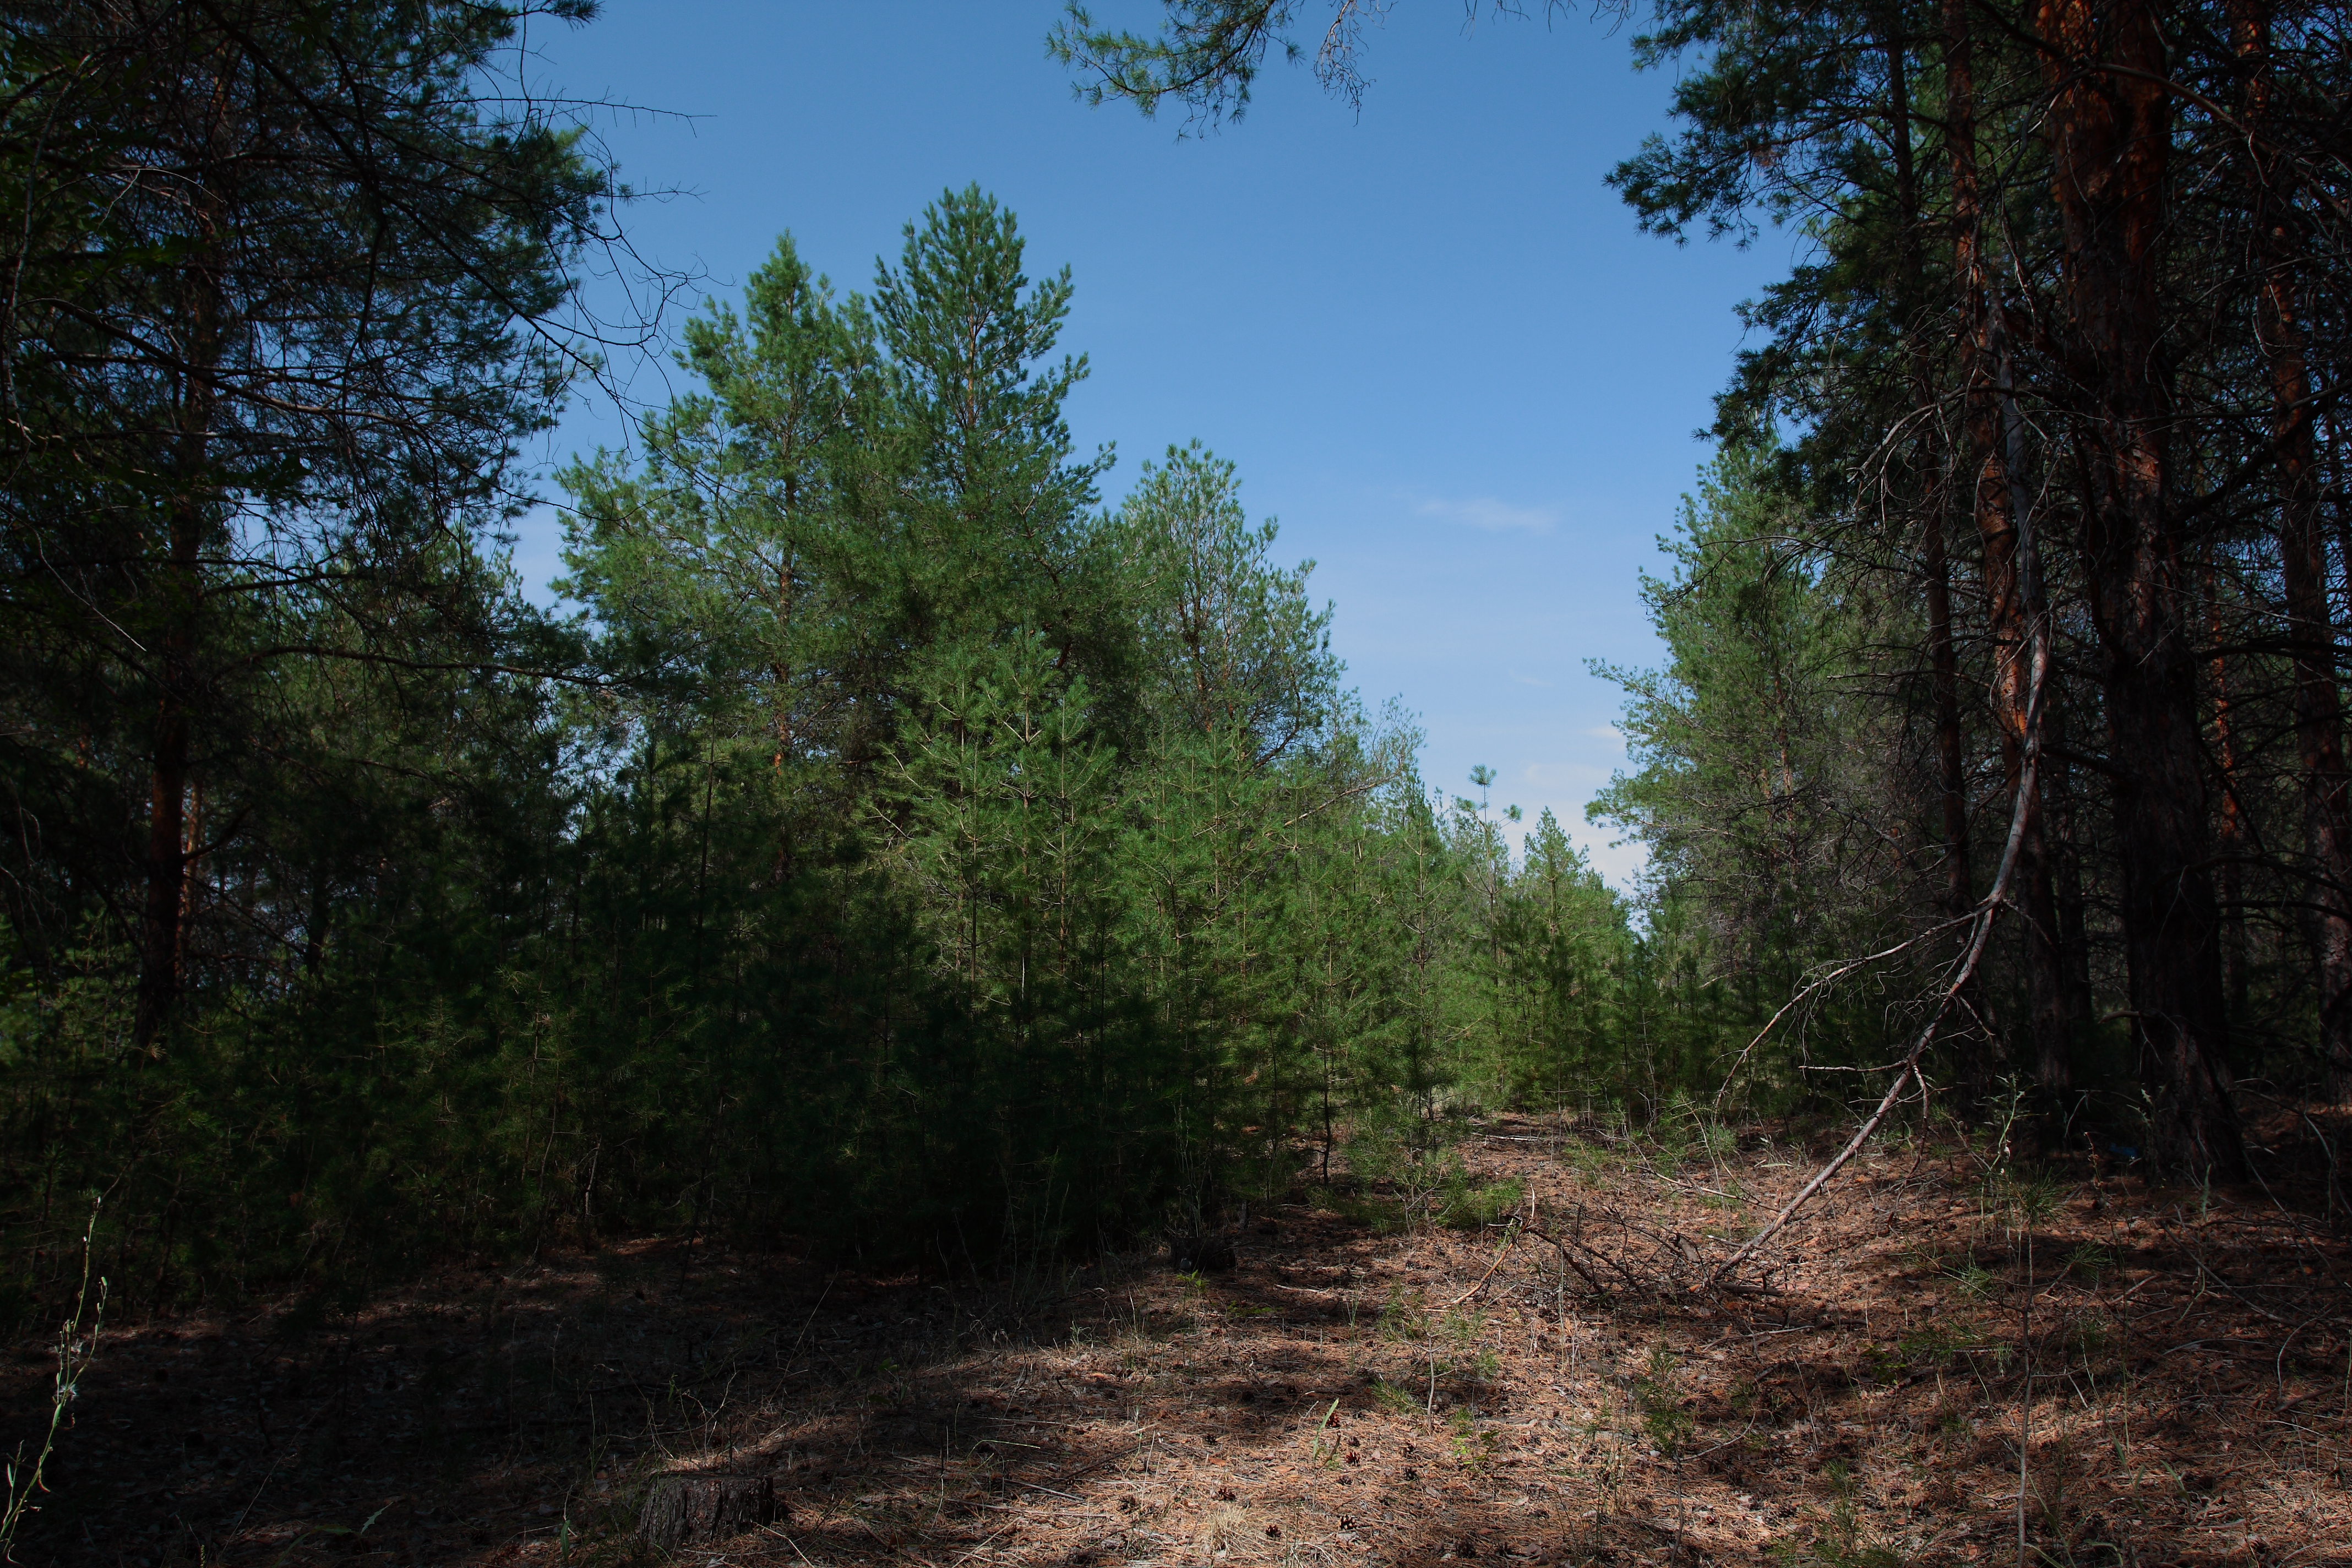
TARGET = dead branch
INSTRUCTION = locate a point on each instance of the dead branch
(1510, 1240)
(1818, 984)
(1987, 911)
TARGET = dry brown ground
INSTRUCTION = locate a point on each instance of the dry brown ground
(1350, 1392)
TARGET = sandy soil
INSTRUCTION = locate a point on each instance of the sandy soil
(1366, 1385)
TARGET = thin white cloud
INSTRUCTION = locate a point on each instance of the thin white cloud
(1562, 775)
(1530, 679)
(1493, 516)
(1609, 732)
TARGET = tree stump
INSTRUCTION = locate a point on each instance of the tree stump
(683, 1508)
(1200, 1254)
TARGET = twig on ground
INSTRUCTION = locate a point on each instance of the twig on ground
(1510, 1239)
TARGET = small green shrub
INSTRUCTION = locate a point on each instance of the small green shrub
(1475, 1446)
(1663, 1416)
(1404, 1316)
(1468, 1205)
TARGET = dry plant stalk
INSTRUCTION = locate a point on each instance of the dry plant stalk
(74, 1355)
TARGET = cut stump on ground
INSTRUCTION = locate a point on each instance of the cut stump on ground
(1200, 1254)
(683, 1507)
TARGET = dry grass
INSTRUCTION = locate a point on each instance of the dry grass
(1358, 1389)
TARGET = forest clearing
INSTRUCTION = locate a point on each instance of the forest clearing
(1552, 1384)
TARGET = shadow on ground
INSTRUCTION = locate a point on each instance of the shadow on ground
(2175, 1363)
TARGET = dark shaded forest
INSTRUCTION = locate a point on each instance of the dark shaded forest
(892, 850)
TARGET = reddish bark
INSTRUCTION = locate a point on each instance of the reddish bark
(1992, 457)
(2303, 557)
(2109, 129)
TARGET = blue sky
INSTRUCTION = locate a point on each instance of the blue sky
(1434, 341)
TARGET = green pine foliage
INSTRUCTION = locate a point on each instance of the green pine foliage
(1763, 750)
(897, 854)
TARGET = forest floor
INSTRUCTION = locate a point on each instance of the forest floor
(1547, 1388)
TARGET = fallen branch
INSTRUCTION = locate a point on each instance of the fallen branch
(1510, 1239)
(1568, 1258)
(1987, 913)
(1569, 1246)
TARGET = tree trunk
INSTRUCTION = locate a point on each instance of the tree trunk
(2064, 842)
(2232, 840)
(2108, 130)
(180, 586)
(1943, 664)
(2302, 559)
(1993, 457)
(1943, 667)
(181, 591)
